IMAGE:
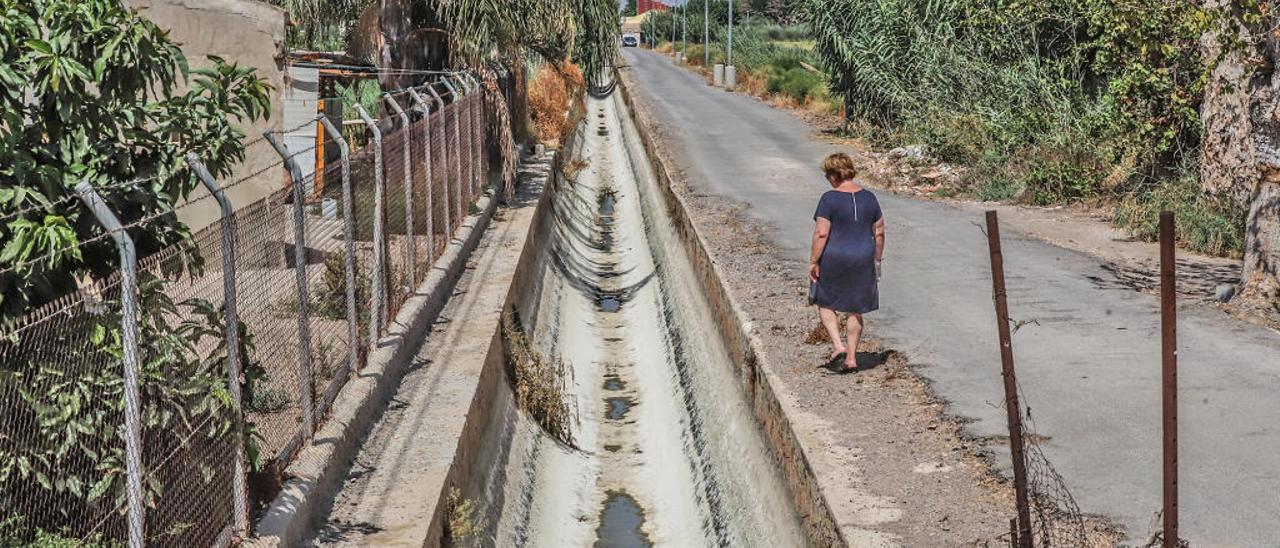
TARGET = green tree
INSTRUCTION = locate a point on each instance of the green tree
(89, 93)
(320, 24)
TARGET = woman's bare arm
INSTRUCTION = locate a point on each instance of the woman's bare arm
(820, 233)
(880, 239)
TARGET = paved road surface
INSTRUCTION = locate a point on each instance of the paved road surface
(1089, 369)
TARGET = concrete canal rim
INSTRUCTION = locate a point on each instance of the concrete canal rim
(665, 437)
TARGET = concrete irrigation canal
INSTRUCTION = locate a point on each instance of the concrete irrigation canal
(599, 391)
(664, 449)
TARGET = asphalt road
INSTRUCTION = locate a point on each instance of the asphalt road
(1089, 367)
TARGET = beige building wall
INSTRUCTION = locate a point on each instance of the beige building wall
(247, 32)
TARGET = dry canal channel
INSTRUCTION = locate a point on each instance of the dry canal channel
(664, 449)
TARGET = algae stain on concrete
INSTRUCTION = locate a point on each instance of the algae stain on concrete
(621, 523)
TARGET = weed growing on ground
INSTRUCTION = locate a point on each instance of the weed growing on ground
(1205, 223)
(269, 399)
(462, 518)
(539, 380)
(553, 92)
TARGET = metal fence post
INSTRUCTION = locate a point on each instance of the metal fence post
(470, 145)
(444, 165)
(377, 309)
(482, 179)
(349, 237)
(1169, 376)
(481, 154)
(132, 370)
(426, 128)
(1013, 409)
(455, 96)
(408, 184)
(231, 317)
(300, 279)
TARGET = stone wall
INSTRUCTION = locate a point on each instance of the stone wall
(247, 32)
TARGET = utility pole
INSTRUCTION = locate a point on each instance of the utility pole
(729, 62)
(706, 33)
(684, 30)
(672, 11)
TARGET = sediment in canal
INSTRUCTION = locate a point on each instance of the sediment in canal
(676, 437)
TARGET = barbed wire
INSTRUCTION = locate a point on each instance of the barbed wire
(377, 70)
(54, 253)
(70, 197)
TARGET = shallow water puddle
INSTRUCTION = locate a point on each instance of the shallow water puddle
(621, 521)
(618, 407)
(613, 384)
(609, 303)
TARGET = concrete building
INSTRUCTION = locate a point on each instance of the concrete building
(247, 32)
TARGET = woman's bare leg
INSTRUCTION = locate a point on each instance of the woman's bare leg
(832, 323)
(854, 327)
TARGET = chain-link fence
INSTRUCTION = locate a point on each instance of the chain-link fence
(162, 405)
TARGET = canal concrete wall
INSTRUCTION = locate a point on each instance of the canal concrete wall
(496, 431)
(756, 377)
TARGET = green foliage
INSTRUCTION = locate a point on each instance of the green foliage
(331, 302)
(12, 536)
(62, 435)
(798, 83)
(269, 400)
(87, 93)
(1048, 101)
(1205, 223)
(585, 31)
(320, 24)
(364, 92)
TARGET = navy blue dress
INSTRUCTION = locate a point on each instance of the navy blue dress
(847, 268)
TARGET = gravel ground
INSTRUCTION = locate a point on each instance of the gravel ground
(906, 451)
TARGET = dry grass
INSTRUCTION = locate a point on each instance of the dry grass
(539, 381)
(571, 168)
(553, 93)
(818, 335)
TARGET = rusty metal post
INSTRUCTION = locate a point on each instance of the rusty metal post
(1012, 407)
(1169, 375)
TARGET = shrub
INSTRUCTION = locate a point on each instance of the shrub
(797, 83)
(553, 92)
(1205, 222)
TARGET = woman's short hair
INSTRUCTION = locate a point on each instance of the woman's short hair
(840, 167)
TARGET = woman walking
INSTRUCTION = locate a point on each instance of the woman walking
(844, 264)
